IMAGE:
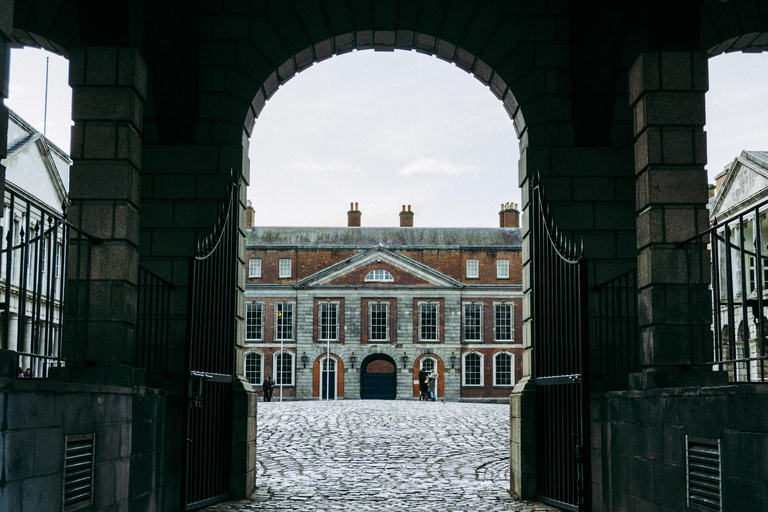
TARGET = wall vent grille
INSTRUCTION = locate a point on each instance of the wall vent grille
(79, 451)
(703, 463)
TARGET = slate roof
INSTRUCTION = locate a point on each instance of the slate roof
(363, 237)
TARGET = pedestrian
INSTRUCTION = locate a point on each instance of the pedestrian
(20, 373)
(423, 385)
(267, 386)
(28, 373)
(432, 385)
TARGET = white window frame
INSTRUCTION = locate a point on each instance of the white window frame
(275, 367)
(293, 321)
(370, 321)
(473, 269)
(464, 369)
(260, 368)
(320, 306)
(335, 377)
(512, 368)
(285, 268)
(511, 322)
(437, 321)
(260, 328)
(379, 275)
(502, 269)
(254, 268)
(464, 326)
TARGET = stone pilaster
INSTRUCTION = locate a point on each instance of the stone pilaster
(108, 92)
(666, 91)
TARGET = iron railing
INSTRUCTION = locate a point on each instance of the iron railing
(153, 326)
(211, 331)
(559, 334)
(42, 258)
(728, 324)
(614, 335)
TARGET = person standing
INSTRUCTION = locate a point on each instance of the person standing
(432, 385)
(267, 386)
(423, 385)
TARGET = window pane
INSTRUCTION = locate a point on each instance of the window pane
(284, 322)
(502, 269)
(428, 364)
(472, 322)
(503, 322)
(254, 267)
(472, 370)
(503, 370)
(329, 362)
(428, 322)
(253, 368)
(379, 319)
(253, 321)
(284, 365)
(285, 268)
(328, 322)
(379, 274)
(473, 268)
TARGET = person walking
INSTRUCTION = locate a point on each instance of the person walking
(432, 385)
(423, 385)
(267, 386)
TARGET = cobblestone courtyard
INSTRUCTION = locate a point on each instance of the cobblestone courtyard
(378, 455)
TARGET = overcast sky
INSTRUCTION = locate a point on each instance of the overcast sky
(386, 129)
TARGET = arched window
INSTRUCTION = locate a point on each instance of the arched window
(472, 369)
(379, 275)
(254, 367)
(283, 368)
(503, 369)
(428, 364)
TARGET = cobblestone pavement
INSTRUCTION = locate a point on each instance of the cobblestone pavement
(379, 455)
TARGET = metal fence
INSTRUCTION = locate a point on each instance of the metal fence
(614, 334)
(730, 260)
(153, 328)
(42, 257)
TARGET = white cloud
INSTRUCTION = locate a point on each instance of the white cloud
(437, 166)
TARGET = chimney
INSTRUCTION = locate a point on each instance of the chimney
(249, 216)
(353, 216)
(509, 216)
(406, 217)
(712, 190)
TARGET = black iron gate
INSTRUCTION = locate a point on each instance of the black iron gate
(211, 313)
(559, 333)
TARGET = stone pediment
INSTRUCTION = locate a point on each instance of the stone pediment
(746, 183)
(402, 270)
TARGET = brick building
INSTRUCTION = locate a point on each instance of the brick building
(384, 303)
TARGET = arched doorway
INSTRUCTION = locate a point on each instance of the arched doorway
(378, 378)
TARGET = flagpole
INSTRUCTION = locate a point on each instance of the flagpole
(45, 108)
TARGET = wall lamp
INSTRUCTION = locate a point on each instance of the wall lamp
(352, 358)
(405, 356)
(304, 359)
(453, 360)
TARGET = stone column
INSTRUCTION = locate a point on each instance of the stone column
(108, 92)
(666, 91)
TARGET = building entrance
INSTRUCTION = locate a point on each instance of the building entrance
(378, 378)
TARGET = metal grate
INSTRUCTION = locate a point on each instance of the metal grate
(78, 471)
(703, 463)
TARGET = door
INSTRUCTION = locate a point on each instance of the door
(328, 379)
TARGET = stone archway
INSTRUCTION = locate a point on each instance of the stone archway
(378, 378)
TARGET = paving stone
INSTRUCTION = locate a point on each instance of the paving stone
(378, 455)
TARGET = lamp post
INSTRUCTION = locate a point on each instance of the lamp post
(405, 358)
(453, 360)
(304, 359)
(352, 359)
